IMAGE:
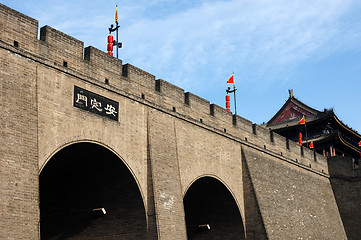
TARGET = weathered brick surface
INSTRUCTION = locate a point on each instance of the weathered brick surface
(166, 177)
(17, 27)
(18, 149)
(167, 139)
(294, 203)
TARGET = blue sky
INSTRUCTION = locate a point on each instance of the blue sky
(312, 47)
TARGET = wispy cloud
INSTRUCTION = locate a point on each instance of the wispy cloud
(259, 38)
(181, 40)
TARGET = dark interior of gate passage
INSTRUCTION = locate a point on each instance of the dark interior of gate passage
(211, 212)
(77, 183)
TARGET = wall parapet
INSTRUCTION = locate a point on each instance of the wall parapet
(99, 58)
(57, 39)
(345, 168)
(139, 76)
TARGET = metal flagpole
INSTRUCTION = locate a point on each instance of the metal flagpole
(116, 42)
(117, 29)
(235, 102)
(307, 144)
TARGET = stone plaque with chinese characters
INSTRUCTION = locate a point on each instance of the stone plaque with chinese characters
(95, 103)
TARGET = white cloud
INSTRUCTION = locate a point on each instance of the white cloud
(265, 37)
(180, 41)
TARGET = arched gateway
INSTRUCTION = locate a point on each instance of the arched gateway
(211, 211)
(87, 192)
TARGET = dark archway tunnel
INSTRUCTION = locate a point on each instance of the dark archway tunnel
(211, 212)
(77, 183)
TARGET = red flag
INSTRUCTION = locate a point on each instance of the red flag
(231, 79)
(311, 145)
(302, 121)
(116, 13)
(359, 144)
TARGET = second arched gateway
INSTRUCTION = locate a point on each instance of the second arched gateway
(211, 212)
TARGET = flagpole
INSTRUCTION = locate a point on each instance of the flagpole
(116, 42)
(117, 39)
(117, 27)
(235, 102)
(306, 135)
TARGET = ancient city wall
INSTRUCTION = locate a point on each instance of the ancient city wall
(68, 55)
(168, 139)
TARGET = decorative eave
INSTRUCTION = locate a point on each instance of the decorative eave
(345, 143)
(310, 120)
(331, 137)
(345, 127)
(322, 138)
(334, 136)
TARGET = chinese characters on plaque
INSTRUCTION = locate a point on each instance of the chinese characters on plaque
(95, 103)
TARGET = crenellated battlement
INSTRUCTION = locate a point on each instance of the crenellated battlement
(62, 42)
(194, 101)
(19, 33)
(18, 29)
(139, 76)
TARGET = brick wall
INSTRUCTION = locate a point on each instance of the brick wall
(293, 202)
(18, 149)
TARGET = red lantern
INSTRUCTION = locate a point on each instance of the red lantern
(110, 45)
(110, 39)
(228, 104)
(300, 139)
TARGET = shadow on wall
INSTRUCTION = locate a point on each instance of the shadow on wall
(346, 184)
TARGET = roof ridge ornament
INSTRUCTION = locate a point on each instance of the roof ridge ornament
(290, 91)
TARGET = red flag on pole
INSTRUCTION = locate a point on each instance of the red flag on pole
(231, 79)
(311, 145)
(116, 13)
(302, 121)
(359, 144)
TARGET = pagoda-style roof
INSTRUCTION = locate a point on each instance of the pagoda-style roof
(292, 111)
(323, 128)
